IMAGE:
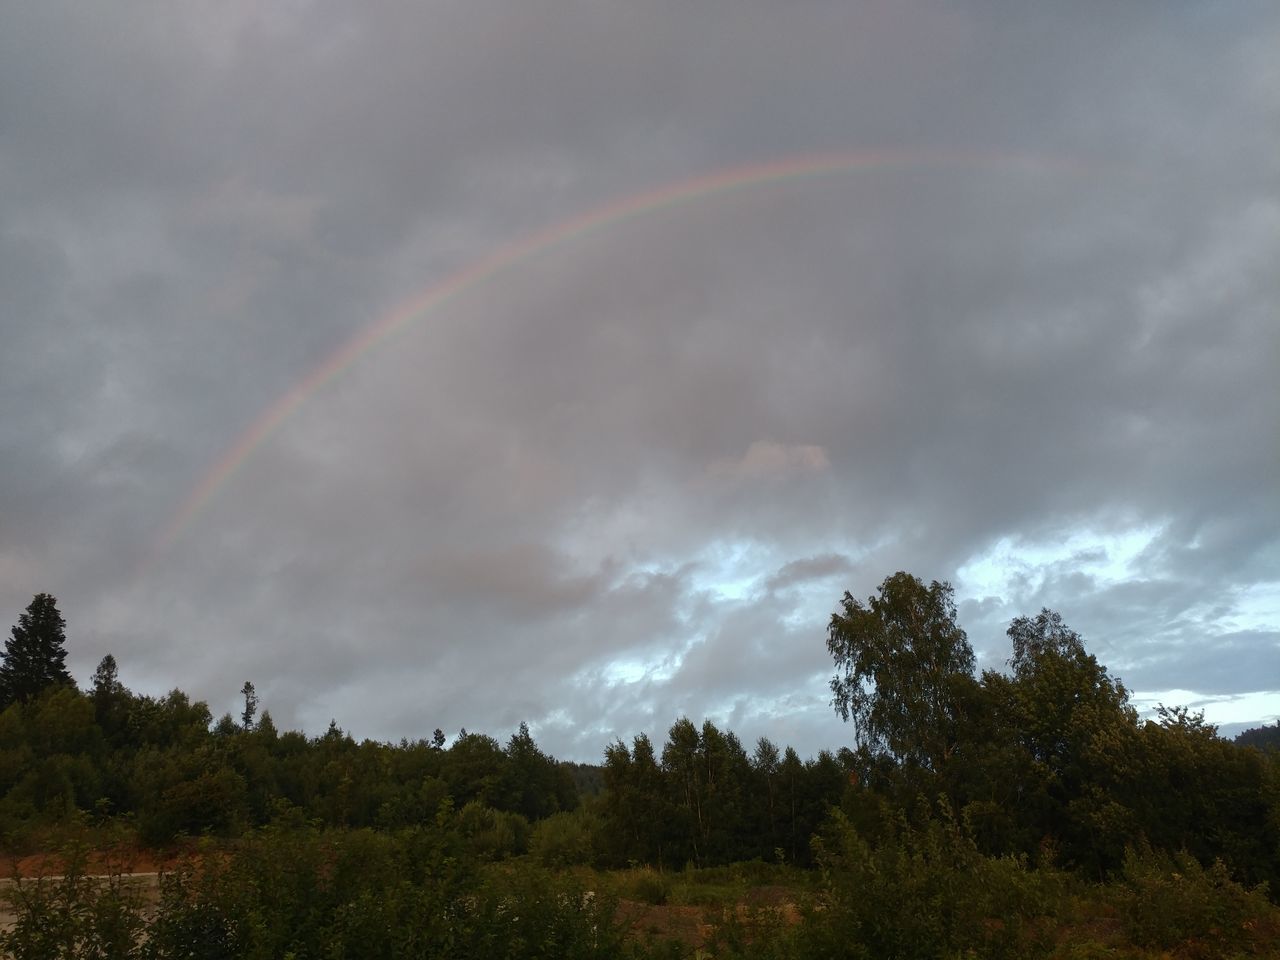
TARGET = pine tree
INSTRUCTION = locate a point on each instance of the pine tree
(250, 705)
(35, 656)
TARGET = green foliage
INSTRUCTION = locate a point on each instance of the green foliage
(645, 885)
(111, 702)
(567, 839)
(1266, 737)
(198, 916)
(1196, 790)
(309, 894)
(926, 893)
(212, 802)
(1078, 739)
(163, 762)
(1170, 900)
(473, 768)
(707, 802)
(920, 891)
(35, 654)
(250, 705)
(729, 886)
(531, 783)
(635, 805)
(51, 754)
(74, 916)
(898, 659)
(493, 834)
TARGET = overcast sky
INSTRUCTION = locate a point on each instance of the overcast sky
(1022, 334)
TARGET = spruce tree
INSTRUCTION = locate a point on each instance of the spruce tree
(35, 655)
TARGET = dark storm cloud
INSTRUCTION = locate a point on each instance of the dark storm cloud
(631, 475)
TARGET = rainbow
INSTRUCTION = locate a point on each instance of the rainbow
(504, 258)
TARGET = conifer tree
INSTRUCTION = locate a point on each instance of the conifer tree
(35, 655)
(250, 705)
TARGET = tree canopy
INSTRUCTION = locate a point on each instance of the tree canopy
(900, 659)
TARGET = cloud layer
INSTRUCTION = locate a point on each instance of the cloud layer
(630, 474)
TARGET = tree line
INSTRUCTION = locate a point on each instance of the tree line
(1047, 761)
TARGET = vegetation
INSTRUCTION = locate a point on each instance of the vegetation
(1027, 813)
(35, 654)
(1264, 738)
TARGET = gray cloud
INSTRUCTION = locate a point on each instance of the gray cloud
(630, 475)
(825, 566)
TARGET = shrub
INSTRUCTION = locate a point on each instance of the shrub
(925, 893)
(493, 834)
(74, 916)
(646, 885)
(200, 916)
(1167, 901)
(566, 839)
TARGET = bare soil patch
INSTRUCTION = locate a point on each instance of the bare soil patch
(98, 863)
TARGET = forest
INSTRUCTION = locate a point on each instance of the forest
(1027, 812)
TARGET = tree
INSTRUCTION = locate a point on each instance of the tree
(532, 784)
(680, 756)
(638, 813)
(473, 767)
(1055, 681)
(110, 700)
(1074, 723)
(790, 777)
(106, 679)
(1037, 639)
(250, 705)
(764, 766)
(35, 656)
(901, 662)
(1264, 737)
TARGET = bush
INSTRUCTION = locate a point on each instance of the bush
(645, 885)
(1168, 901)
(74, 916)
(925, 893)
(493, 834)
(566, 839)
(528, 914)
(201, 915)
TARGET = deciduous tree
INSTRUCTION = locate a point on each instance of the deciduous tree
(900, 661)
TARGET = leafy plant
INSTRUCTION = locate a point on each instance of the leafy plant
(74, 916)
(1171, 901)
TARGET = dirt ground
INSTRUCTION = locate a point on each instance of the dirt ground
(695, 925)
(100, 862)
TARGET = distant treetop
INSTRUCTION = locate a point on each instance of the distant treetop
(1264, 738)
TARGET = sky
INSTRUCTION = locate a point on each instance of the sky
(459, 364)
